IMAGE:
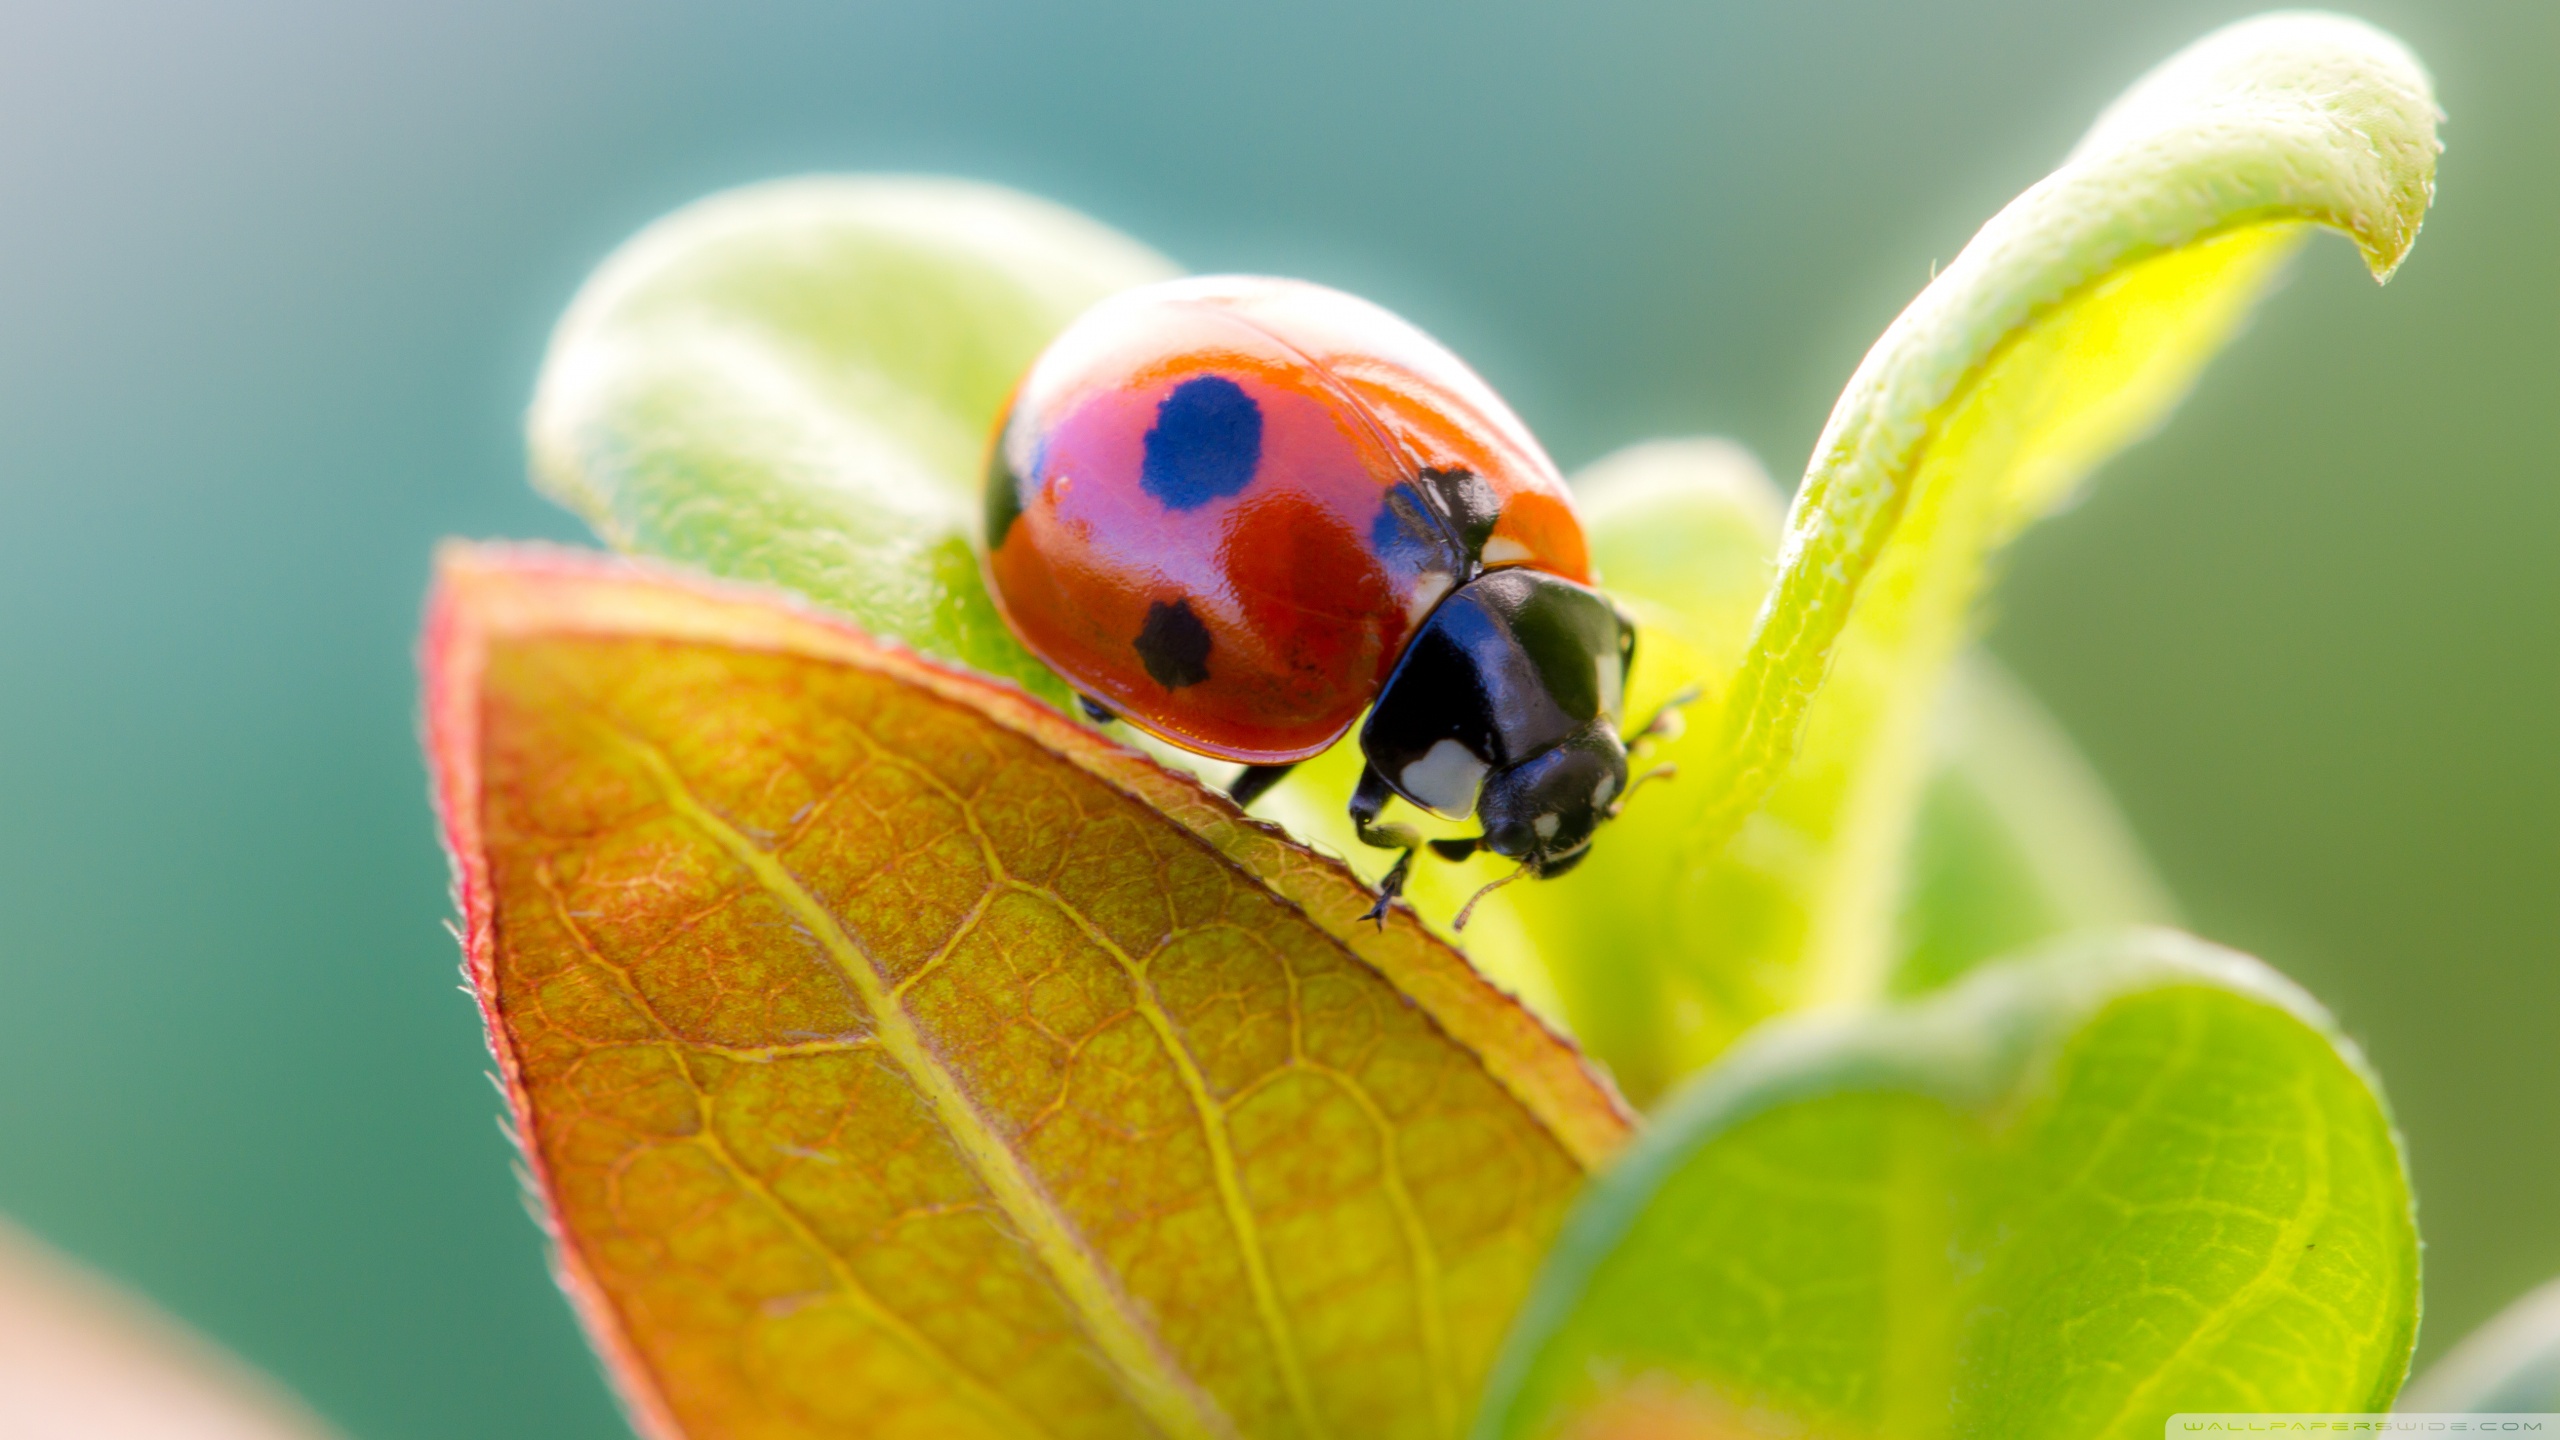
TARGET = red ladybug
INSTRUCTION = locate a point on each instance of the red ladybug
(1238, 511)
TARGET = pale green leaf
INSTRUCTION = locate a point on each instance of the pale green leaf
(2017, 840)
(794, 383)
(2071, 1196)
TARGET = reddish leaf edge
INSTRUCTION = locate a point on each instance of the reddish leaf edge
(488, 591)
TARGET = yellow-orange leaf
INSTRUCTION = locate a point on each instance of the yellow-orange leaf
(898, 1058)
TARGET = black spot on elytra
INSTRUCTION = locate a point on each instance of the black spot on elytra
(1206, 442)
(1174, 645)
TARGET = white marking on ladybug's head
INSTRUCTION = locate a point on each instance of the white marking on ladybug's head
(1427, 596)
(1613, 685)
(1503, 550)
(1445, 780)
(1604, 792)
(1546, 826)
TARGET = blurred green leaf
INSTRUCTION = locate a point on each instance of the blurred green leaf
(1782, 856)
(2017, 840)
(2070, 1196)
(793, 383)
(2511, 1364)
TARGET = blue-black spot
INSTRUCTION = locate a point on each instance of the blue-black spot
(1174, 645)
(1206, 442)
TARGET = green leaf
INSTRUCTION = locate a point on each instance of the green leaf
(794, 383)
(2071, 324)
(2017, 840)
(2509, 1365)
(2071, 1196)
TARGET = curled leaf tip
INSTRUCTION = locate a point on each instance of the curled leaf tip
(2340, 112)
(2070, 325)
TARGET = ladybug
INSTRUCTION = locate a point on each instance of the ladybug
(1239, 511)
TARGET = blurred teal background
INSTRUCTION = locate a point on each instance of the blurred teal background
(274, 279)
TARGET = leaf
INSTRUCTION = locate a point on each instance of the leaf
(2070, 325)
(2071, 1196)
(81, 1361)
(2511, 1364)
(2016, 842)
(794, 383)
(897, 1056)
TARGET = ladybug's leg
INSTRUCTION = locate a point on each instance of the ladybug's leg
(1367, 801)
(1256, 781)
(1094, 710)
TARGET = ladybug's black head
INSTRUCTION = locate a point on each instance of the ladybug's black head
(1507, 703)
(1543, 810)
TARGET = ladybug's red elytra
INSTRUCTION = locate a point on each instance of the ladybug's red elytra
(1238, 511)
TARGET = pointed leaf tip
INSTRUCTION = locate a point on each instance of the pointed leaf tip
(894, 1054)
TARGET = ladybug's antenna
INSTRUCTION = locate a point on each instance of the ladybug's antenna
(1661, 772)
(1666, 723)
(1470, 907)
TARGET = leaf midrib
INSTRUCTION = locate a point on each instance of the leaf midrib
(1156, 1384)
(1222, 1165)
(2306, 1217)
(1431, 1319)
(1211, 1115)
(971, 1388)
